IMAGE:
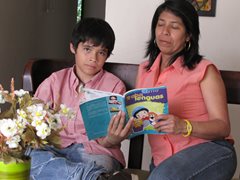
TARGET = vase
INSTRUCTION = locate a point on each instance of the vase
(15, 171)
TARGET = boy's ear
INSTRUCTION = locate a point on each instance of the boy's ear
(72, 49)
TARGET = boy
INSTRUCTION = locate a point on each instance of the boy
(92, 43)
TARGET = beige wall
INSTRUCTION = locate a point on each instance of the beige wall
(220, 42)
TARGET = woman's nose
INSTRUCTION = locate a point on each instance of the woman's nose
(165, 30)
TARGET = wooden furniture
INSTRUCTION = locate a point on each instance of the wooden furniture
(36, 70)
(232, 83)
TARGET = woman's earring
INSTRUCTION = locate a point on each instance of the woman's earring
(188, 45)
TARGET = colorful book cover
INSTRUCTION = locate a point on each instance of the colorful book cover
(144, 105)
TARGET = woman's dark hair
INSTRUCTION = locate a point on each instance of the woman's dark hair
(189, 16)
(98, 31)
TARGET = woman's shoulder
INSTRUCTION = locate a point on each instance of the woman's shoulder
(142, 66)
(205, 62)
(203, 65)
(144, 63)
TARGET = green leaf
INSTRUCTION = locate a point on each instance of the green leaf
(54, 139)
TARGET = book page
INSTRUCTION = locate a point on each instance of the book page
(97, 113)
(91, 94)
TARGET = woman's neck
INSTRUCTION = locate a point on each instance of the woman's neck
(164, 62)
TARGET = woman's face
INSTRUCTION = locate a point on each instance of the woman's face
(170, 32)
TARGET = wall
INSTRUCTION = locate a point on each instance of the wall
(33, 29)
(94, 8)
(55, 20)
(16, 22)
(219, 42)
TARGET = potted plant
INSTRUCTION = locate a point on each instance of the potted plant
(25, 123)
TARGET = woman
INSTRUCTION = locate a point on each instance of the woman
(197, 143)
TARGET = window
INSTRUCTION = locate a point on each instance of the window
(79, 10)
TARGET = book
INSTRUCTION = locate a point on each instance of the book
(144, 104)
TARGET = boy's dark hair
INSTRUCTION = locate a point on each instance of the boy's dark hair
(95, 30)
(184, 10)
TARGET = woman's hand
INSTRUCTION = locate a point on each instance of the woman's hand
(170, 124)
(117, 130)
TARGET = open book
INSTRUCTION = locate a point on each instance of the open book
(144, 104)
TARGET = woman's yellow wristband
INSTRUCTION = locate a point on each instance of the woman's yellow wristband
(188, 127)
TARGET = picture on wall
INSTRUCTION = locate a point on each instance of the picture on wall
(204, 7)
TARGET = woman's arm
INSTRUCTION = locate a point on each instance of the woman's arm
(218, 124)
(214, 95)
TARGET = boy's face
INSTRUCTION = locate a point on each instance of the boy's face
(113, 98)
(89, 59)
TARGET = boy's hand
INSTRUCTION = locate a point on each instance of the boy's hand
(117, 130)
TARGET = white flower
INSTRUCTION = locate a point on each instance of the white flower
(21, 124)
(43, 130)
(37, 112)
(2, 100)
(2, 121)
(20, 92)
(64, 109)
(54, 121)
(67, 112)
(13, 142)
(36, 122)
(21, 114)
(8, 127)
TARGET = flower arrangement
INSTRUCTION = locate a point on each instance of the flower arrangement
(27, 122)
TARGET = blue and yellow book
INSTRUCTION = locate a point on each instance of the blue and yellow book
(144, 104)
